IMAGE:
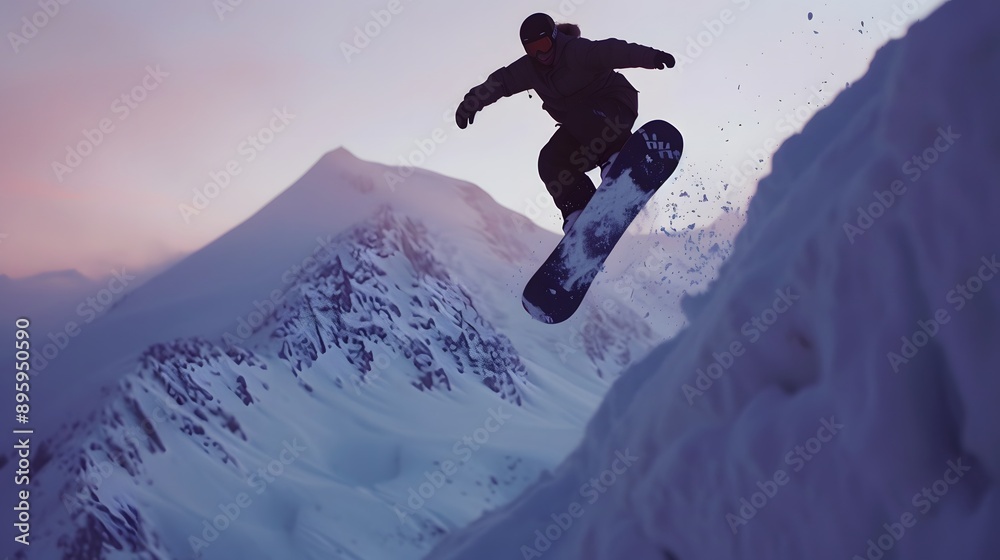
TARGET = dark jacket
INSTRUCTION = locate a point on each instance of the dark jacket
(581, 76)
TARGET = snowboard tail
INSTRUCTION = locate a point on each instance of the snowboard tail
(644, 163)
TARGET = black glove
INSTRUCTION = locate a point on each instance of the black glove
(663, 59)
(467, 110)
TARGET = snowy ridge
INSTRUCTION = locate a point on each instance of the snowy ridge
(832, 395)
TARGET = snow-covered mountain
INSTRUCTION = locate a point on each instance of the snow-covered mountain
(834, 394)
(347, 374)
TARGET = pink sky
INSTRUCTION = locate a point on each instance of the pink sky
(222, 78)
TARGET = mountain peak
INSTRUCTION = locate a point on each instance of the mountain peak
(339, 156)
(64, 275)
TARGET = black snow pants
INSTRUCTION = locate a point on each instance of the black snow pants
(586, 138)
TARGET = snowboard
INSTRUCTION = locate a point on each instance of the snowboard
(644, 163)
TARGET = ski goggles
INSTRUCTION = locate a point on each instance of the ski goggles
(537, 46)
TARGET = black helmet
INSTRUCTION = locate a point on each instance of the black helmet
(538, 33)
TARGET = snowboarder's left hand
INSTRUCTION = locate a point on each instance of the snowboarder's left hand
(664, 59)
(467, 110)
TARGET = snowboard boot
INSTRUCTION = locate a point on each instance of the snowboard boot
(569, 220)
(606, 166)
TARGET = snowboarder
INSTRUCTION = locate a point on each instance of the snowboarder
(593, 106)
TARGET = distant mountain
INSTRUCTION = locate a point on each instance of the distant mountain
(59, 277)
(349, 371)
(48, 299)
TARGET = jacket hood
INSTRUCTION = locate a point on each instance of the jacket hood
(571, 29)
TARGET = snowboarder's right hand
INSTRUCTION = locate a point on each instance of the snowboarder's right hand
(467, 110)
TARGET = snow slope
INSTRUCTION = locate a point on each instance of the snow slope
(834, 394)
(347, 374)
